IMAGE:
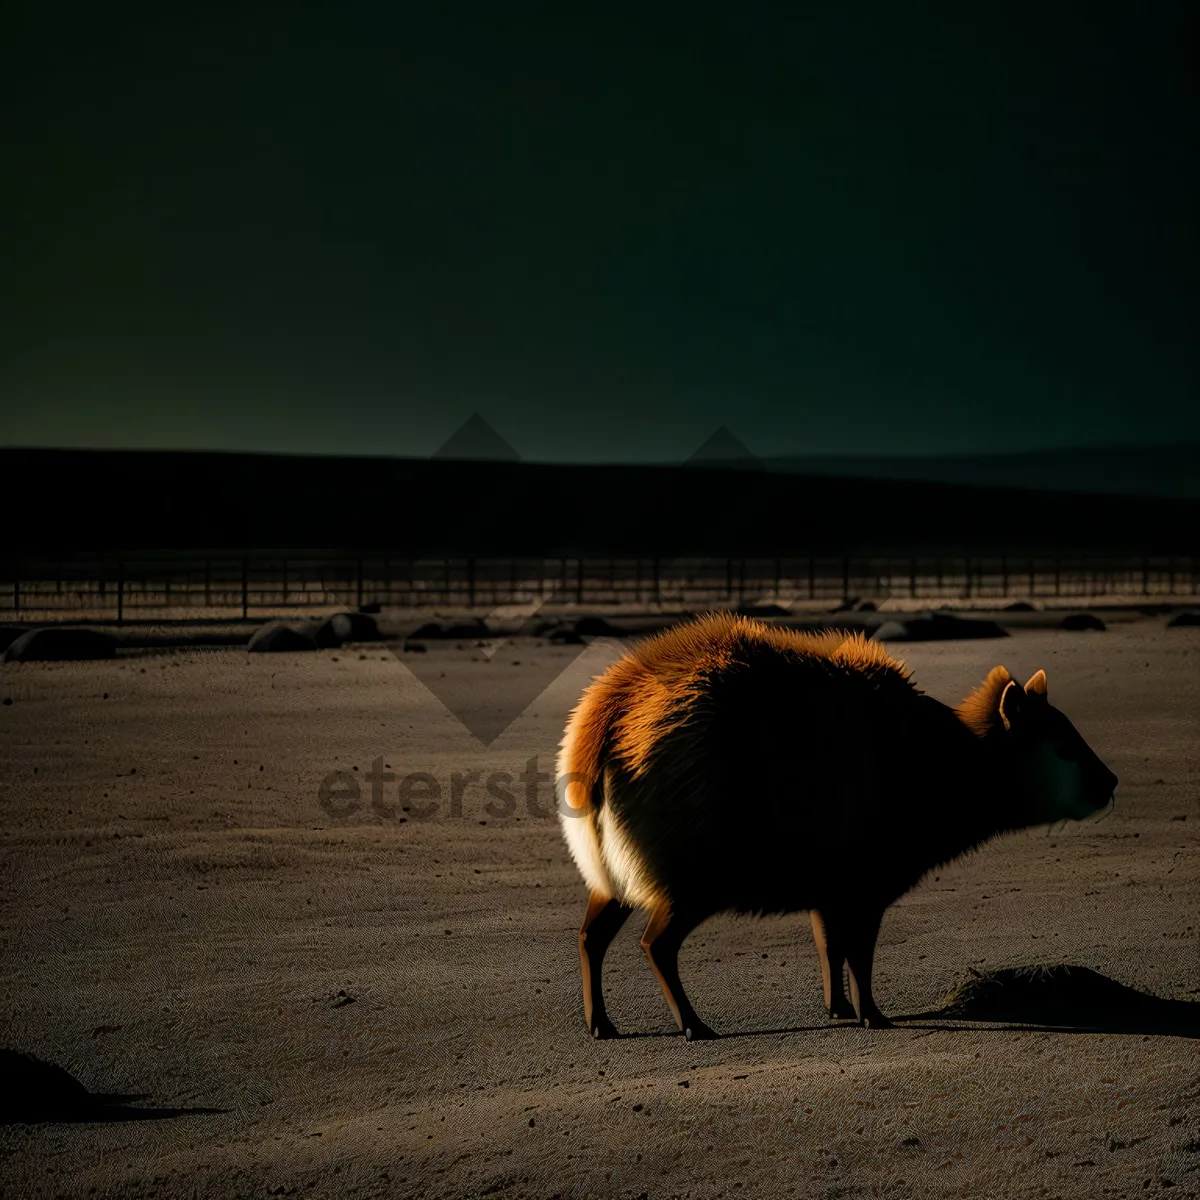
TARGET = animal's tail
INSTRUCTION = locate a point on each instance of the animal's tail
(580, 792)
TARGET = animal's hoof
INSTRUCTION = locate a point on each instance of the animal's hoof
(876, 1020)
(604, 1028)
(697, 1031)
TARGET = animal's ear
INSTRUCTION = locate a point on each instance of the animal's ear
(1037, 685)
(1013, 703)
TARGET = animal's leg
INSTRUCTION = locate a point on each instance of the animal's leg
(831, 947)
(604, 917)
(665, 932)
(862, 932)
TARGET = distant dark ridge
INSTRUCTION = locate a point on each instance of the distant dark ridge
(63, 501)
(1162, 471)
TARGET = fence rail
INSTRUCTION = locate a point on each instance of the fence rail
(262, 585)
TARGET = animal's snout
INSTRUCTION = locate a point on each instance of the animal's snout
(1099, 782)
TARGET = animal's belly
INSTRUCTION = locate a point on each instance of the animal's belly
(761, 857)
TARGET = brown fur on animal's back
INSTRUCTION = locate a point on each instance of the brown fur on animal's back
(749, 767)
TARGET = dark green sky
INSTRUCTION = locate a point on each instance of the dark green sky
(889, 227)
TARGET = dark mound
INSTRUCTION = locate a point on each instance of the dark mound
(762, 610)
(597, 627)
(56, 644)
(321, 632)
(1183, 619)
(937, 627)
(1069, 996)
(278, 637)
(1020, 606)
(39, 1091)
(35, 1091)
(1081, 621)
(10, 633)
(474, 628)
(564, 635)
(856, 604)
(349, 627)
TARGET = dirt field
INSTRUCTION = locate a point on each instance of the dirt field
(379, 1003)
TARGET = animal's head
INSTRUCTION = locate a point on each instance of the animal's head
(1057, 773)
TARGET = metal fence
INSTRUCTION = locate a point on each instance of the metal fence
(225, 587)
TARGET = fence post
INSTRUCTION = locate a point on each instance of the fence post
(579, 581)
(657, 584)
(245, 589)
(845, 577)
(17, 595)
(120, 591)
(1057, 575)
(358, 583)
(471, 581)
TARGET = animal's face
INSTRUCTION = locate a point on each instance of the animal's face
(1058, 773)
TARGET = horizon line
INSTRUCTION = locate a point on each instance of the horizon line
(715, 462)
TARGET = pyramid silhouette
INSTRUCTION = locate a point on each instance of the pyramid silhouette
(476, 440)
(724, 449)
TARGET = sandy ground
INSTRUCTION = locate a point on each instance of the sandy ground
(382, 1004)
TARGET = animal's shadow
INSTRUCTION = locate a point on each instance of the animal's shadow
(34, 1092)
(1066, 999)
(1058, 998)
